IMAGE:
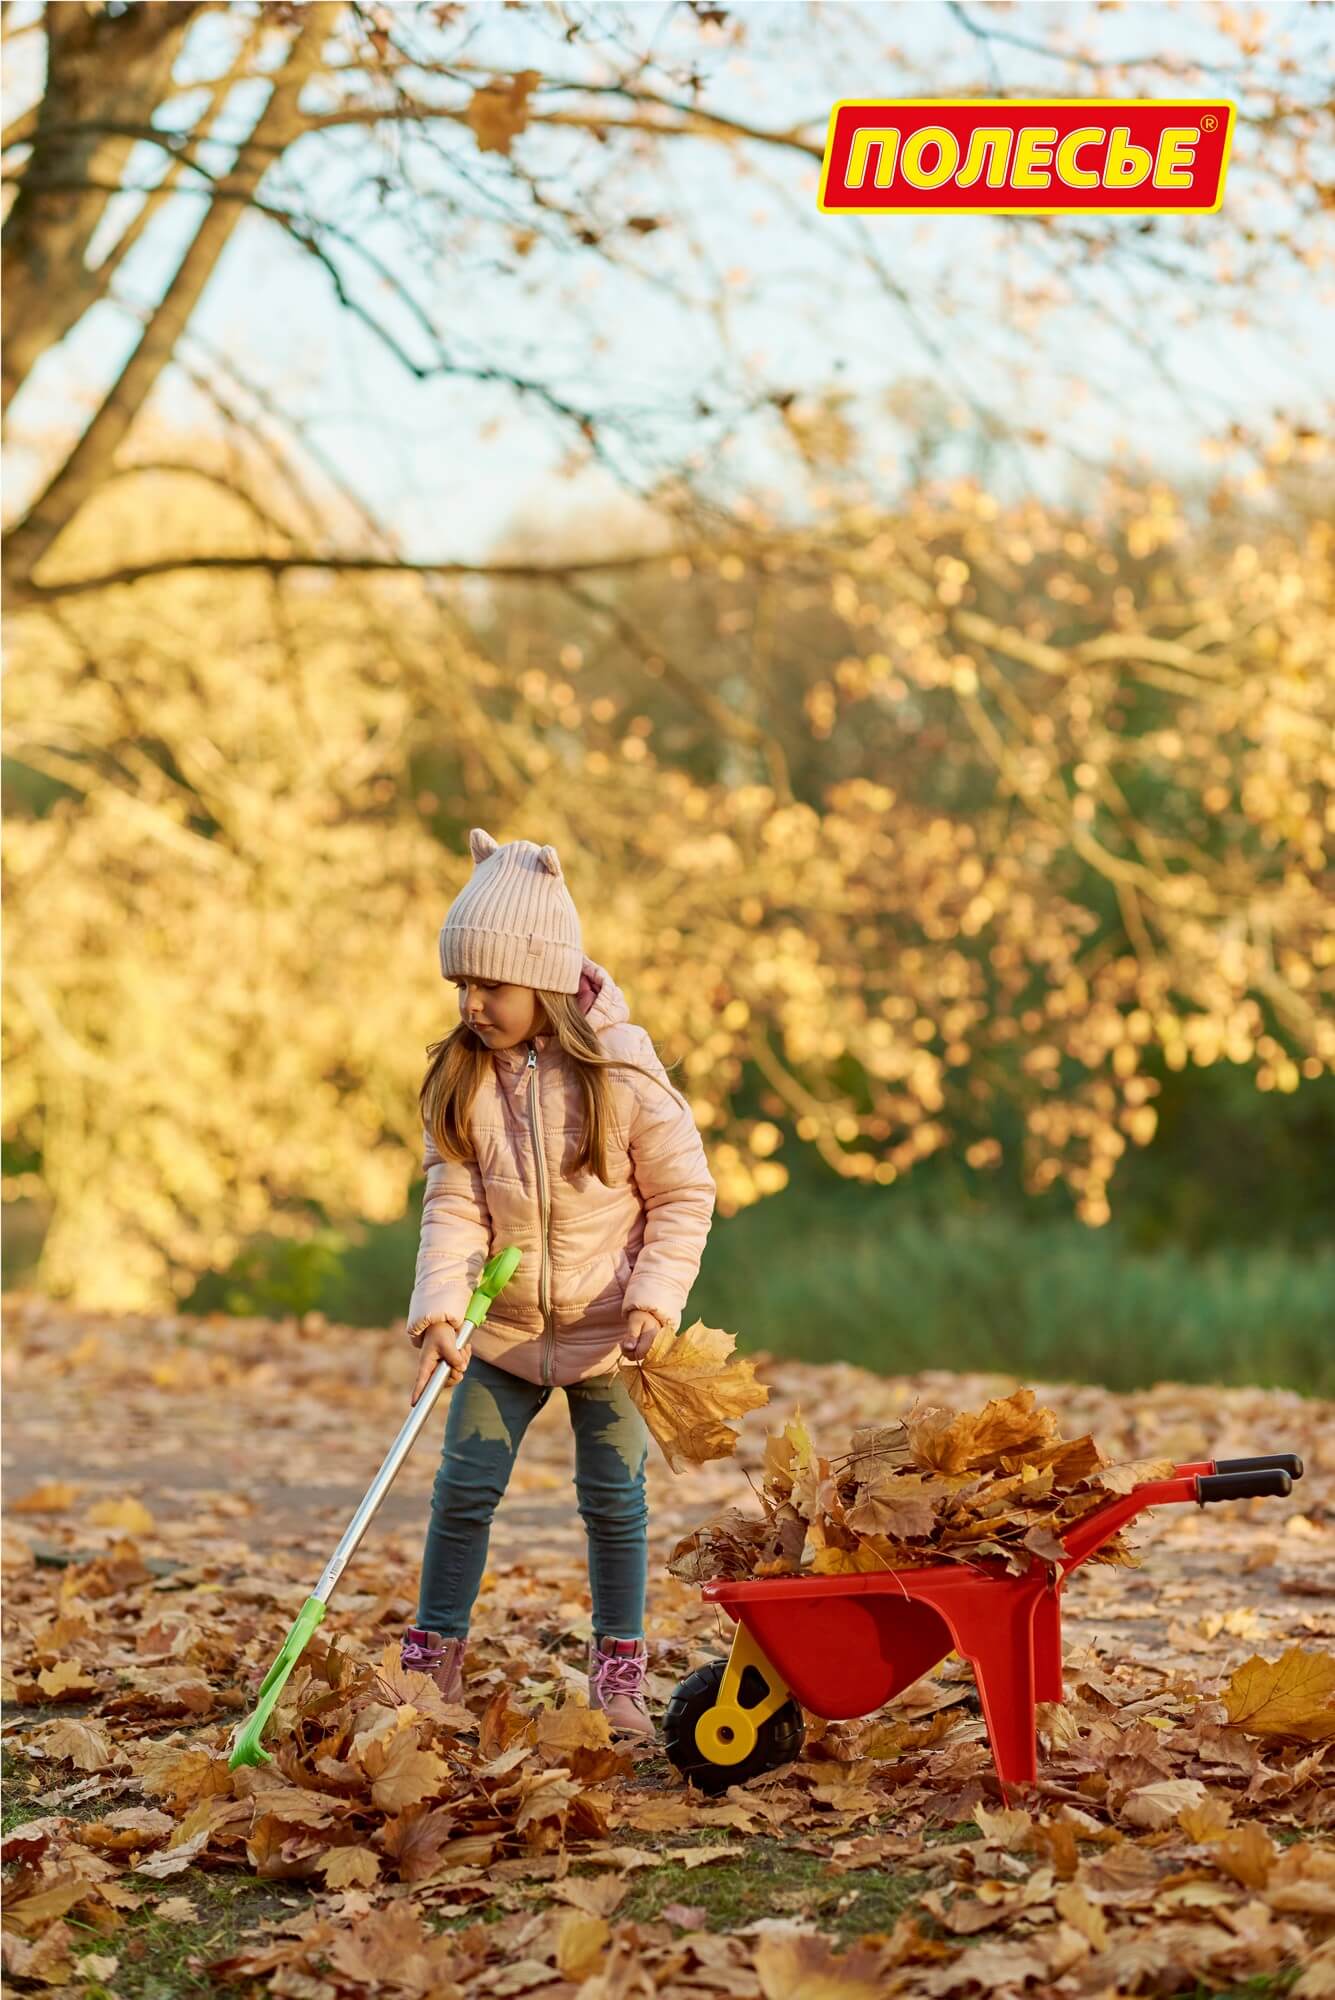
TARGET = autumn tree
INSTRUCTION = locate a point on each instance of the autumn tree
(933, 821)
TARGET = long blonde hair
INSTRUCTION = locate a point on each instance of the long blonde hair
(458, 1063)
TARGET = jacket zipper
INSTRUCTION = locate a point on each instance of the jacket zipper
(540, 1161)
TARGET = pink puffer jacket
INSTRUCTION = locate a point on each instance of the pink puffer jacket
(591, 1253)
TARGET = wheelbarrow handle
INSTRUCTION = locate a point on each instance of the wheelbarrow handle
(1279, 1461)
(1268, 1482)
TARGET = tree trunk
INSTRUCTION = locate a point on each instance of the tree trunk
(93, 457)
(102, 69)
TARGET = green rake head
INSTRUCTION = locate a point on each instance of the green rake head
(496, 1273)
(247, 1750)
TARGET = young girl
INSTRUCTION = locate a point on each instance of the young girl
(548, 1122)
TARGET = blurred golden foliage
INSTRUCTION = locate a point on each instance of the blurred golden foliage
(959, 823)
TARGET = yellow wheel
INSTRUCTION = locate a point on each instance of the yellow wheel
(716, 1743)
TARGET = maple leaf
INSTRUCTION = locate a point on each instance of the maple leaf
(88, 1748)
(686, 1386)
(1291, 1696)
(349, 1868)
(956, 1441)
(401, 1774)
(894, 1504)
(1159, 1804)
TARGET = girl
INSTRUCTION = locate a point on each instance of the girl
(549, 1122)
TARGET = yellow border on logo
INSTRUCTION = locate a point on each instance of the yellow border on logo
(1023, 103)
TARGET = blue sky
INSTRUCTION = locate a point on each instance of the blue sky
(446, 464)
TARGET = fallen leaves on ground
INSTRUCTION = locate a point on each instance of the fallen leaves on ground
(687, 1387)
(1179, 1834)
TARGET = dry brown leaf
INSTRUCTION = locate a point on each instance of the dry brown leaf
(88, 1748)
(802, 1967)
(1159, 1804)
(897, 1504)
(1290, 1697)
(1133, 1472)
(686, 1387)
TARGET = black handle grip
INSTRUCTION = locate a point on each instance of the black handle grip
(1264, 1485)
(1279, 1461)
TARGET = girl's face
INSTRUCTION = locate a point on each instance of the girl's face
(500, 1015)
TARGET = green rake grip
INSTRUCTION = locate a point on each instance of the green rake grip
(496, 1273)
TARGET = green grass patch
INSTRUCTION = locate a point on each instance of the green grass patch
(853, 1277)
(774, 1878)
(1265, 1986)
(155, 1954)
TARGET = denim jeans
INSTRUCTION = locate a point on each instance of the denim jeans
(490, 1411)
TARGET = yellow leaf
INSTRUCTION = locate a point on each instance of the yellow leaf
(801, 1966)
(53, 1496)
(1208, 1820)
(82, 1745)
(847, 1562)
(1247, 1854)
(1010, 1828)
(407, 1775)
(580, 1943)
(66, 1675)
(686, 1386)
(127, 1513)
(1071, 1902)
(1291, 1696)
(350, 1868)
(573, 1727)
(1135, 1472)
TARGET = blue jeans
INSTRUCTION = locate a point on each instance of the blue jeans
(490, 1411)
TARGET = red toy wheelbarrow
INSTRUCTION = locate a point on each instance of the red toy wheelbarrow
(842, 1646)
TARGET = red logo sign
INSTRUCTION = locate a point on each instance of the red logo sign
(1026, 156)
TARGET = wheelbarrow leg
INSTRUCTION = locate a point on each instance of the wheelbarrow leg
(1048, 1684)
(994, 1629)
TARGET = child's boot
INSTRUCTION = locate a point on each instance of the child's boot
(426, 1652)
(617, 1668)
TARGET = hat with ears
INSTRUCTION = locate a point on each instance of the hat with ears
(514, 919)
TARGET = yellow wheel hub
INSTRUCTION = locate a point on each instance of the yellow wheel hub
(727, 1733)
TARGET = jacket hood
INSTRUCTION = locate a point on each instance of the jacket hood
(601, 1000)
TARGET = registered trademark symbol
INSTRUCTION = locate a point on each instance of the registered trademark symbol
(1209, 122)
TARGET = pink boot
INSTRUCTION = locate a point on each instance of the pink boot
(425, 1652)
(616, 1684)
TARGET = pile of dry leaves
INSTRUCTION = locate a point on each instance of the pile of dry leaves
(939, 1485)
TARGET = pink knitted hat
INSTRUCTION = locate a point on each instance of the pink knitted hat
(514, 919)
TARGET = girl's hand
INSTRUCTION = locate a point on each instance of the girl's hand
(438, 1342)
(642, 1330)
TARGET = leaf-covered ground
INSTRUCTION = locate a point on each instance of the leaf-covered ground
(173, 1488)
